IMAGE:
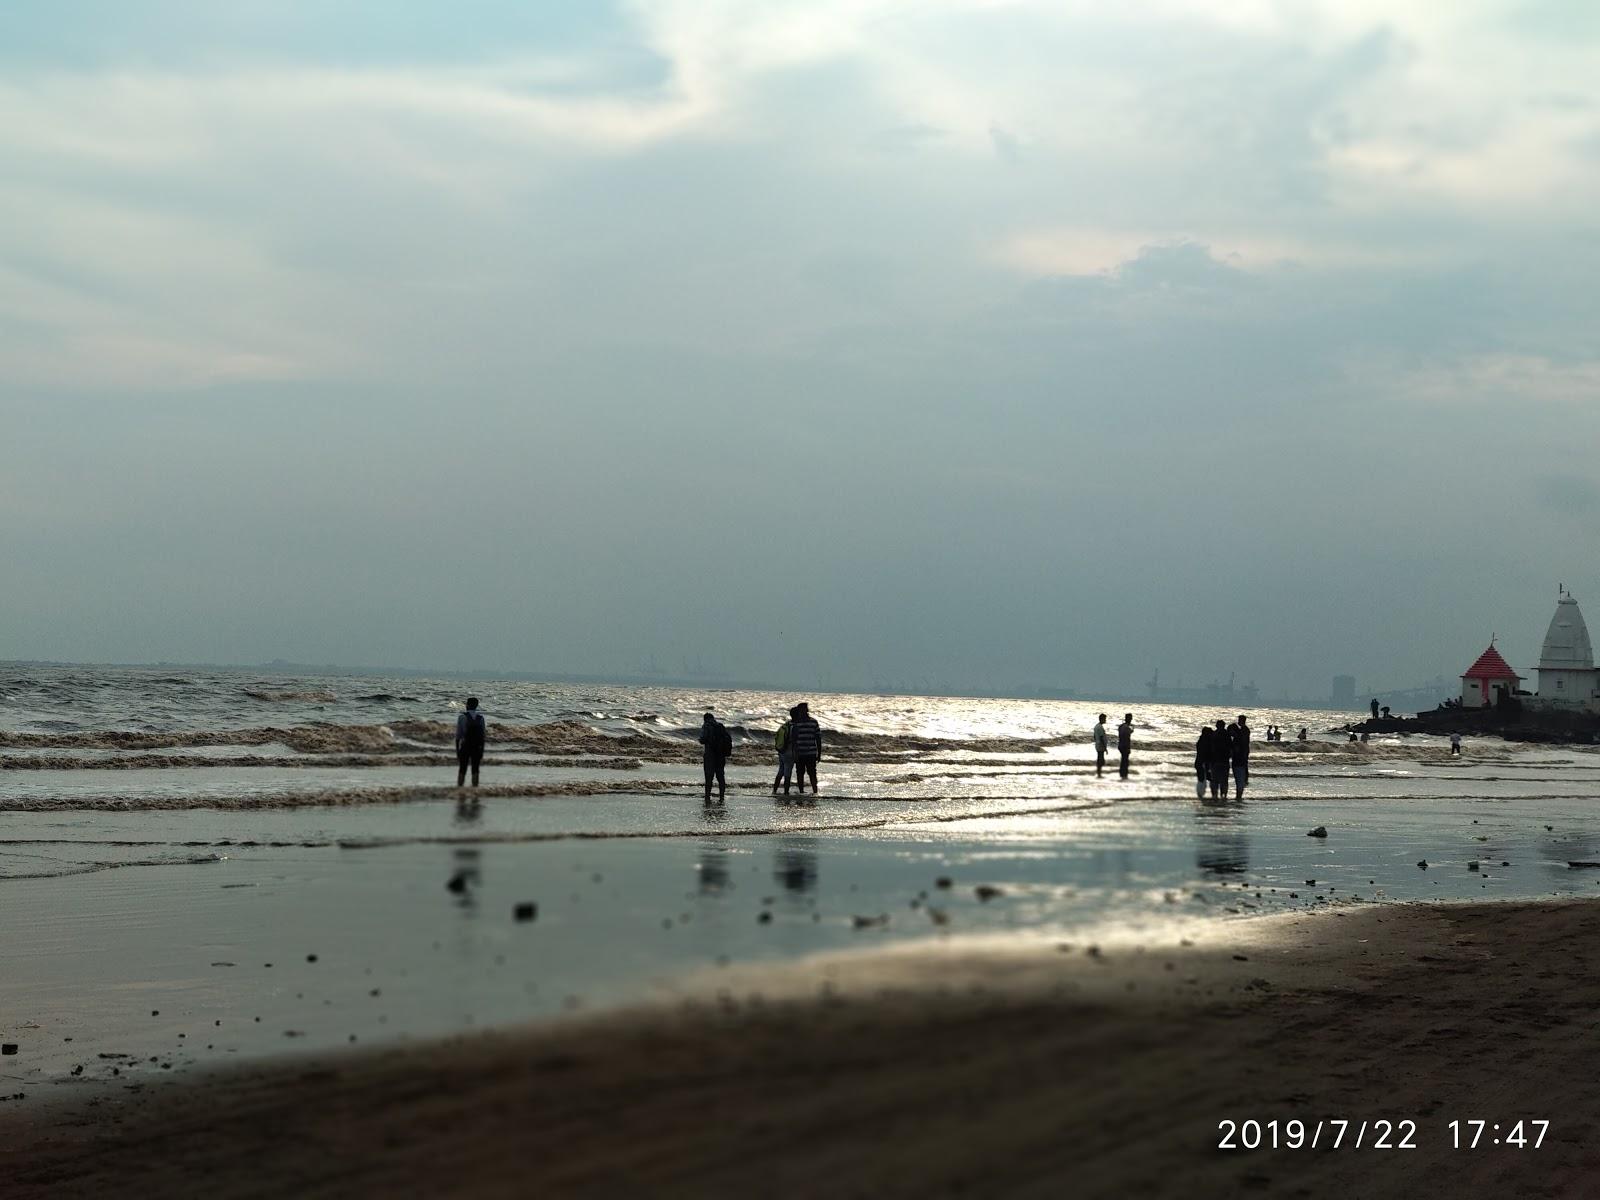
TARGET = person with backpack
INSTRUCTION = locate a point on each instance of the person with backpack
(718, 745)
(805, 743)
(780, 740)
(471, 734)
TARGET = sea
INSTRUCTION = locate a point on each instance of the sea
(203, 866)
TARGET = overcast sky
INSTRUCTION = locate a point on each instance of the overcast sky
(987, 344)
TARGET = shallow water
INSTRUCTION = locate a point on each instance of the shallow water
(119, 908)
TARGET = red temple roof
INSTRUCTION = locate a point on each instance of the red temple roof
(1490, 666)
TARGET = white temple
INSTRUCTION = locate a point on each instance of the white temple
(1567, 675)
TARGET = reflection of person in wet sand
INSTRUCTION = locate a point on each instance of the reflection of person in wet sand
(471, 734)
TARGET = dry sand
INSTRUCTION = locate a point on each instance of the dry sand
(970, 1069)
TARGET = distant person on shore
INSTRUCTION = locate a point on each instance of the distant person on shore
(472, 733)
(805, 739)
(1124, 743)
(1455, 745)
(718, 746)
(1302, 735)
(1101, 741)
(785, 759)
(1239, 751)
(1202, 761)
(1374, 708)
(1217, 761)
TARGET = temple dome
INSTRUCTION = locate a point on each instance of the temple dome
(1566, 643)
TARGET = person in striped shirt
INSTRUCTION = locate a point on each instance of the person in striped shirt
(805, 743)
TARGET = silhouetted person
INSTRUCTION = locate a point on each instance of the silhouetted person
(1221, 752)
(780, 740)
(1302, 735)
(1374, 708)
(472, 732)
(1101, 741)
(1385, 711)
(718, 745)
(1124, 743)
(1239, 751)
(1353, 736)
(805, 739)
(1202, 760)
(1455, 745)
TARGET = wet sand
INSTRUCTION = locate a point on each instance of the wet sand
(976, 1067)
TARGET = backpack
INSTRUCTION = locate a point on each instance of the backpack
(781, 738)
(474, 734)
(724, 742)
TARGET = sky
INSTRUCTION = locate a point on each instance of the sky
(967, 345)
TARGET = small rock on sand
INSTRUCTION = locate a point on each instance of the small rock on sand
(8, 1048)
(876, 922)
(1319, 831)
(1423, 863)
(526, 911)
(987, 892)
(944, 881)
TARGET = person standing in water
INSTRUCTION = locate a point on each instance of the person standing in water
(1202, 761)
(805, 743)
(1239, 749)
(1101, 741)
(718, 745)
(1217, 765)
(1455, 745)
(785, 759)
(472, 733)
(1124, 743)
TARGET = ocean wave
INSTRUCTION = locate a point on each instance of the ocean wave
(324, 798)
(317, 696)
(156, 761)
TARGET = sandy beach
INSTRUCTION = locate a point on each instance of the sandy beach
(972, 1067)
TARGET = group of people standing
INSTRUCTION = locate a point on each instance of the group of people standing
(1218, 752)
(798, 742)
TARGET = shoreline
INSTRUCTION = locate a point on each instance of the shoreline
(987, 1066)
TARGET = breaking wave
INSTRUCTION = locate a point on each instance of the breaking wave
(291, 697)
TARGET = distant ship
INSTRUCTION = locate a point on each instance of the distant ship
(1212, 693)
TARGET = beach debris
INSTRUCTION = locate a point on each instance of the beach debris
(1581, 863)
(222, 964)
(987, 892)
(1064, 947)
(944, 881)
(1505, 862)
(1241, 958)
(8, 1048)
(877, 922)
(1473, 865)
(457, 883)
(311, 958)
(1319, 831)
(1549, 828)
(526, 911)
(763, 917)
(1483, 838)
(78, 1070)
(155, 1012)
(1423, 863)
(1311, 883)
(937, 915)
(1093, 952)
